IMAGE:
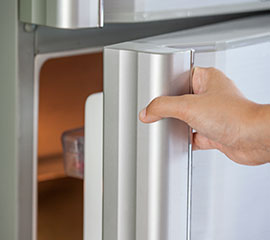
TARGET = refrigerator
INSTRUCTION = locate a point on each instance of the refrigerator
(150, 184)
(97, 63)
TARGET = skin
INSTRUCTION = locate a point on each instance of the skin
(222, 117)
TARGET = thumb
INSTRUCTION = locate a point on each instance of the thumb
(167, 107)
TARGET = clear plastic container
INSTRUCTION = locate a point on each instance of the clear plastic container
(73, 148)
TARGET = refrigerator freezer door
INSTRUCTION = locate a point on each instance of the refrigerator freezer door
(145, 166)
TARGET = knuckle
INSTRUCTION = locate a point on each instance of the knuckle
(209, 72)
(156, 100)
(214, 71)
(202, 74)
(204, 71)
(197, 72)
(154, 104)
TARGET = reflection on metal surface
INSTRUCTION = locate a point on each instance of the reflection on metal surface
(153, 10)
(145, 166)
(67, 14)
(162, 150)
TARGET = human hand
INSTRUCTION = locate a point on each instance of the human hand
(222, 117)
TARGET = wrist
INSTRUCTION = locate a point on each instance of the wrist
(258, 127)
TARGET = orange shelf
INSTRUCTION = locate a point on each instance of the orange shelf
(50, 168)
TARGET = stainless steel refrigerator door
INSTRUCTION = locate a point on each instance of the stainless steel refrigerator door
(145, 166)
(231, 201)
(146, 187)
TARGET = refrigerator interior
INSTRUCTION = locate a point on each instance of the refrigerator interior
(64, 85)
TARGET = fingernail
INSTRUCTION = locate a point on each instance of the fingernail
(143, 114)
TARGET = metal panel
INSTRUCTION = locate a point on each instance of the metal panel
(9, 121)
(51, 39)
(219, 36)
(120, 118)
(231, 201)
(17, 179)
(162, 151)
(93, 167)
(62, 13)
(153, 10)
(27, 167)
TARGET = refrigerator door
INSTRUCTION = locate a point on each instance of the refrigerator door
(229, 201)
(151, 10)
(151, 189)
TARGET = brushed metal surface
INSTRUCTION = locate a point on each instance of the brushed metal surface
(162, 151)
(27, 185)
(153, 10)
(120, 118)
(217, 37)
(52, 40)
(68, 14)
(231, 201)
(10, 132)
(145, 166)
